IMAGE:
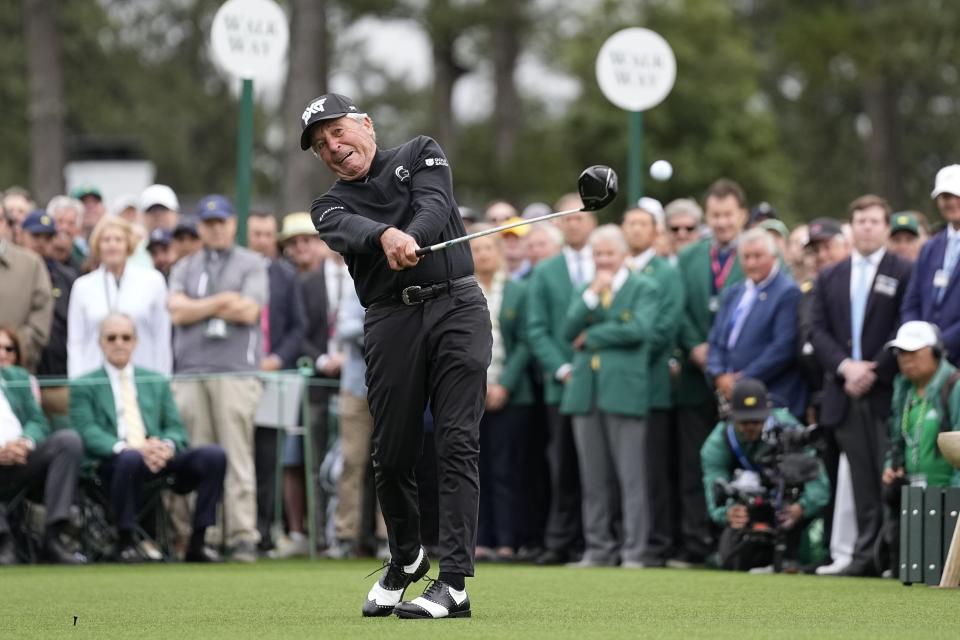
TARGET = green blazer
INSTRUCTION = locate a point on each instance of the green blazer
(549, 293)
(694, 263)
(15, 384)
(610, 373)
(513, 330)
(93, 411)
(666, 329)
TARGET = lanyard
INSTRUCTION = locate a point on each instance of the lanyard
(913, 439)
(737, 451)
(207, 279)
(720, 274)
(111, 306)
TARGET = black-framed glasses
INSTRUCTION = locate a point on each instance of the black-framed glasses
(123, 337)
(678, 229)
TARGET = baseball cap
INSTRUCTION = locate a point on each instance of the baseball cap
(904, 221)
(39, 221)
(947, 181)
(749, 402)
(517, 231)
(81, 191)
(535, 210)
(777, 226)
(326, 107)
(653, 207)
(186, 225)
(762, 211)
(914, 335)
(824, 229)
(297, 224)
(159, 194)
(159, 236)
(214, 207)
(468, 215)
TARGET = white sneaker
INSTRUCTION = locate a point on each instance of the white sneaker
(762, 570)
(296, 546)
(833, 569)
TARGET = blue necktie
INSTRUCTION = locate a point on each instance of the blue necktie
(739, 317)
(858, 304)
(949, 262)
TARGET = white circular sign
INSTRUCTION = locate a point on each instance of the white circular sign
(249, 37)
(636, 69)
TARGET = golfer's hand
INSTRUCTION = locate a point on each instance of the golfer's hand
(737, 516)
(400, 249)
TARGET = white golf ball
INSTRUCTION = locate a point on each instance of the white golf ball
(661, 170)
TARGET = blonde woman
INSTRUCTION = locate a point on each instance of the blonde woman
(118, 285)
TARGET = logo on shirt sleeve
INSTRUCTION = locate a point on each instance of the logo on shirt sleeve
(436, 162)
(402, 174)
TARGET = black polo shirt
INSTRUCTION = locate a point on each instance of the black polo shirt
(409, 187)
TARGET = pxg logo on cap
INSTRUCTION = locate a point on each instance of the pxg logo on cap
(326, 107)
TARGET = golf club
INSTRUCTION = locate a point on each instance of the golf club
(597, 186)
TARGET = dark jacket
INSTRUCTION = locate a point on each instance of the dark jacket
(831, 333)
(920, 300)
(53, 360)
(316, 335)
(287, 321)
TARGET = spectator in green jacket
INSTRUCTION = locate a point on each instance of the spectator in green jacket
(732, 456)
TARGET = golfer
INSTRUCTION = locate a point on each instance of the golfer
(427, 336)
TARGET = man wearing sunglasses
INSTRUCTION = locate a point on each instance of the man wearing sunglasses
(133, 434)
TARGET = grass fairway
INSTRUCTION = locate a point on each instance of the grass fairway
(297, 599)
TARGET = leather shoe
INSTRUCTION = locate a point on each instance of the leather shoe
(387, 593)
(58, 553)
(129, 554)
(859, 570)
(7, 553)
(203, 554)
(553, 556)
(439, 600)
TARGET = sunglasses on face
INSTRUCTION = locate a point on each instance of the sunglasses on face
(122, 337)
(689, 229)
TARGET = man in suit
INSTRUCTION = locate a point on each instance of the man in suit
(933, 294)
(642, 227)
(754, 333)
(708, 268)
(551, 289)
(283, 323)
(858, 371)
(31, 456)
(133, 434)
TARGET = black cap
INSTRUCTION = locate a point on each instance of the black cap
(821, 229)
(161, 237)
(762, 211)
(325, 107)
(749, 402)
(186, 226)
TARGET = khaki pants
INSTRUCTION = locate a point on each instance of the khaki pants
(220, 411)
(356, 427)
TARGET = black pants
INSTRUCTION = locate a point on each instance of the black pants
(500, 434)
(863, 437)
(201, 470)
(662, 480)
(265, 464)
(52, 466)
(564, 524)
(438, 350)
(534, 472)
(741, 550)
(694, 424)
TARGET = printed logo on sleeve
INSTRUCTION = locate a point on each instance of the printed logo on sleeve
(436, 162)
(329, 210)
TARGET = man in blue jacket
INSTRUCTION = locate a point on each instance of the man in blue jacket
(756, 327)
(933, 294)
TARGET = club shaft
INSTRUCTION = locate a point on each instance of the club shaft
(486, 232)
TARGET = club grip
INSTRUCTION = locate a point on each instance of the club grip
(423, 251)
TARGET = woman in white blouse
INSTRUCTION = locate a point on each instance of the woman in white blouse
(118, 285)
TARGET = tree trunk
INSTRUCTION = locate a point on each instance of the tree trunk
(445, 74)
(304, 177)
(880, 105)
(45, 109)
(506, 109)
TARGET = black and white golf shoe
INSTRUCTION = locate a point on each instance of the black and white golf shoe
(439, 600)
(388, 590)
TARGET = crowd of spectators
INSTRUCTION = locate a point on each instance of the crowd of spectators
(636, 368)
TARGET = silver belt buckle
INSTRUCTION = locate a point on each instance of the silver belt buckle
(405, 296)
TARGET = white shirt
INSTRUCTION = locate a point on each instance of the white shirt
(10, 427)
(640, 261)
(494, 297)
(142, 295)
(337, 278)
(583, 258)
(114, 374)
(873, 261)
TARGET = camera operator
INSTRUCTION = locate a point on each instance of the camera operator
(770, 484)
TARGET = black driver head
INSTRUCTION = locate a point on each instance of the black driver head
(597, 186)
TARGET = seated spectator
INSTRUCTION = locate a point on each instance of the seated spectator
(31, 456)
(924, 404)
(755, 330)
(733, 458)
(11, 356)
(611, 326)
(117, 285)
(133, 434)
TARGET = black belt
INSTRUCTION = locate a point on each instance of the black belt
(418, 294)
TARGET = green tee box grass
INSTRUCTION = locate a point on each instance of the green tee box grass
(299, 599)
